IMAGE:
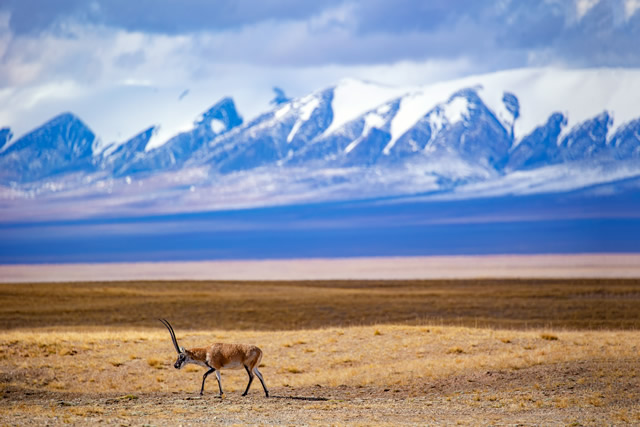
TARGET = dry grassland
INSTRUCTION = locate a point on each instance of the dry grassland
(365, 353)
(541, 303)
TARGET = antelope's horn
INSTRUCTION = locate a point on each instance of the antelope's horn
(173, 334)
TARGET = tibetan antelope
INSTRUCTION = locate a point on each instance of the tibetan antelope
(220, 356)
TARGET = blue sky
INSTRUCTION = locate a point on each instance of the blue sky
(105, 58)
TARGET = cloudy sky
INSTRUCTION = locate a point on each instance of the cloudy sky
(123, 65)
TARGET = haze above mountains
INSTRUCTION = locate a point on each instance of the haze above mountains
(528, 131)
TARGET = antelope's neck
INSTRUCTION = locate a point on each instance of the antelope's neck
(197, 356)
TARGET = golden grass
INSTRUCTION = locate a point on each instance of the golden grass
(580, 371)
(347, 356)
(97, 353)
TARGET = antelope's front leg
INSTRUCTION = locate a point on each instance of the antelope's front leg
(204, 378)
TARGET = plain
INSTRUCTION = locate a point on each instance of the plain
(335, 352)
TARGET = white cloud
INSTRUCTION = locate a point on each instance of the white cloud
(584, 6)
(631, 7)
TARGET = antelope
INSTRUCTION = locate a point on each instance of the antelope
(220, 356)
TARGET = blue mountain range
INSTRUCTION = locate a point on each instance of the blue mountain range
(459, 143)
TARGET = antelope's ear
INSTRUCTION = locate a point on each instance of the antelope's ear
(181, 349)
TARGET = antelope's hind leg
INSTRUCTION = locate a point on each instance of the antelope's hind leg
(266, 392)
(219, 382)
(250, 379)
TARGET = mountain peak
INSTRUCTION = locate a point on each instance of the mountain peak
(180, 147)
(353, 98)
(222, 117)
(73, 134)
(65, 116)
(280, 97)
(64, 143)
(119, 159)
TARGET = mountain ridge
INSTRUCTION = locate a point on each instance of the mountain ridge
(356, 139)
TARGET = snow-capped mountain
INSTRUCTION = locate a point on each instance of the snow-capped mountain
(217, 120)
(62, 145)
(119, 159)
(270, 138)
(513, 132)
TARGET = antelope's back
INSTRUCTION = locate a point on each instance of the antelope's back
(234, 356)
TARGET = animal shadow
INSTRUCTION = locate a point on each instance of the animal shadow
(307, 398)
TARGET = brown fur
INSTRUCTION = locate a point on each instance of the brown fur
(227, 356)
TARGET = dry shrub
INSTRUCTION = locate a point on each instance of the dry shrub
(548, 337)
(128, 397)
(596, 399)
(561, 402)
(154, 363)
(67, 352)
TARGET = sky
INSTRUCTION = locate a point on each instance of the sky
(124, 65)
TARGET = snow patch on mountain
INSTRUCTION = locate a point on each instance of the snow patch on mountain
(306, 106)
(164, 132)
(371, 120)
(352, 98)
(282, 112)
(578, 94)
(217, 126)
(416, 105)
(5, 138)
(456, 110)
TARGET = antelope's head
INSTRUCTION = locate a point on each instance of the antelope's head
(182, 355)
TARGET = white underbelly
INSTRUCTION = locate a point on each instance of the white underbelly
(233, 365)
